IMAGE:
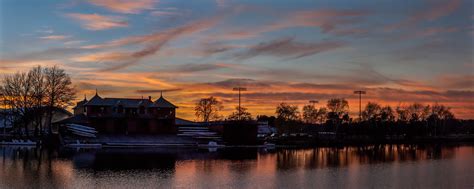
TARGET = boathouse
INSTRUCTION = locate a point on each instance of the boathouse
(126, 116)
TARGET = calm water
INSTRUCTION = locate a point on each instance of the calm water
(384, 166)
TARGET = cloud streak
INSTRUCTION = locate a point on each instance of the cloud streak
(125, 6)
(98, 22)
(432, 12)
(288, 47)
(55, 37)
(154, 42)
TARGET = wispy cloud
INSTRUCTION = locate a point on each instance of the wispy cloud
(433, 11)
(55, 37)
(154, 42)
(166, 13)
(125, 6)
(288, 47)
(222, 3)
(332, 21)
(101, 56)
(425, 32)
(99, 22)
(149, 91)
(456, 81)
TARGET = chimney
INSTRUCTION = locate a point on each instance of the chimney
(149, 98)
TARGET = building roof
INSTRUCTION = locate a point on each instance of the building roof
(127, 102)
(95, 101)
(163, 103)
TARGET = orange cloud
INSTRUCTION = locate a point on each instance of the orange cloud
(125, 6)
(98, 22)
(263, 96)
(55, 37)
(99, 57)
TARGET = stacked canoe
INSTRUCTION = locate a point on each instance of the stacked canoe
(81, 130)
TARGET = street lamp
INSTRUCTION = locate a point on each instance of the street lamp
(239, 89)
(360, 93)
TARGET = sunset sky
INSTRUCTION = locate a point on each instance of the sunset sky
(400, 52)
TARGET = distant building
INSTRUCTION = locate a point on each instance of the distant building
(126, 116)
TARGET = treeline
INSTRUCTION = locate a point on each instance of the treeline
(375, 120)
(29, 98)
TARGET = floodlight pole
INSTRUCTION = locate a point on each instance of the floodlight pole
(239, 89)
(360, 93)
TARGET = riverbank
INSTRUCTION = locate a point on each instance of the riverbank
(281, 142)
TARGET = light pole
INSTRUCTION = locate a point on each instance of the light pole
(360, 93)
(239, 89)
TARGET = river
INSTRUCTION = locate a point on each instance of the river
(375, 166)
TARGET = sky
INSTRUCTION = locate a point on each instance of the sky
(400, 52)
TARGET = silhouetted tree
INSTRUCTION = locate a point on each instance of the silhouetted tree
(59, 91)
(402, 113)
(243, 114)
(418, 112)
(372, 112)
(287, 112)
(38, 97)
(287, 118)
(18, 87)
(337, 108)
(207, 109)
(387, 114)
(321, 115)
(310, 114)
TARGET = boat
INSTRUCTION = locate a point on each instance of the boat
(84, 134)
(81, 128)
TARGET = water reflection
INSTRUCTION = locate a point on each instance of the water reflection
(339, 157)
(229, 167)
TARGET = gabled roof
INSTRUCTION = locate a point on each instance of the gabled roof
(95, 101)
(126, 102)
(163, 103)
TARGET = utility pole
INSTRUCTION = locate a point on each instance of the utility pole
(239, 89)
(360, 93)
